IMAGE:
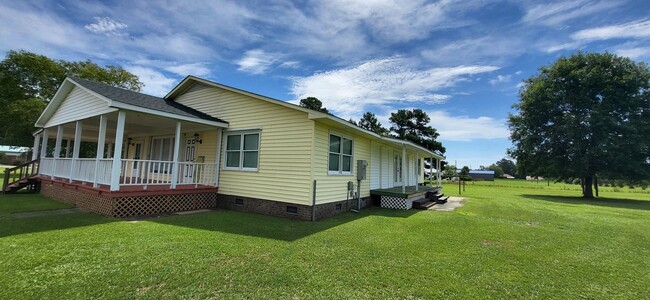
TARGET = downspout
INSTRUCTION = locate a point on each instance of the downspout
(313, 203)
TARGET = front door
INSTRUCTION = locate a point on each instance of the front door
(190, 157)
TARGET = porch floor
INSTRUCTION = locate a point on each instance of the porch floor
(409, 191)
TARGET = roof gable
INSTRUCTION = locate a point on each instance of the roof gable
(110, 98)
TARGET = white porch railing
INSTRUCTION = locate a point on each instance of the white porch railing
(197, 173)
(132, 172)
(154, 172)
(146, 172)
(46, 166)
(62, 167)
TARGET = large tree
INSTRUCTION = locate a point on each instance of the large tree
(369, 121)
(508, 166)
(313, 103)
(584, 116)
(28, 81)
(413, 125)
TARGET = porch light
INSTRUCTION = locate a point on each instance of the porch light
(129, 140)
(196, 138)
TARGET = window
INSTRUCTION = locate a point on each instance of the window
(340, 155)
(242, 151)
(162, 149)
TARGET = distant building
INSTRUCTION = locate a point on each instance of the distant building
(11, 154)
(478, 175)
(508, 176)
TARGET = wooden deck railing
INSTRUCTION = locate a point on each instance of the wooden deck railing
(19, 173)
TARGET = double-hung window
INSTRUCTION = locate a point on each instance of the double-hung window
(340, 155)
(243, 151)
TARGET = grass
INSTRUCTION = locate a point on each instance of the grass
(506, 242)
(25, 202)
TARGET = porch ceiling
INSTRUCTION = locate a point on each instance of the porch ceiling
(137, 124)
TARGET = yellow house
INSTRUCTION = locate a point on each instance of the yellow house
(206, 144)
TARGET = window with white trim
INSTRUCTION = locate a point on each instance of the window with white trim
(242, 151)
(340, 155)
(162, 149)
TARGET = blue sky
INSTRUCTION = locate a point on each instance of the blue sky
(460, 61)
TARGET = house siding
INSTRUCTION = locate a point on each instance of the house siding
(332, 188)
(78, 105)
(285, 144)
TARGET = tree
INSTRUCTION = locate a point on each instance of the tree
(29, 80)
(584, 116)
(498, 172)
(412, 125)
(313, 103)
(449, 171)
(369, 121)
(464, 174)
(508, 166)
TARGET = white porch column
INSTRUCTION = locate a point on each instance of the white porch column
(57, 148)
(117, 157)
(439, 172)
(417, 170)
(77, 144)
(37, 143)
(101, 139)
(67, 148)
(46, 137)
(57, 145)
(431, 170)
(109, 152)
(218, 157)
(404, 179)
(177, 148)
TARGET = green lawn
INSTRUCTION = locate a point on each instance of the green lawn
(506, 242)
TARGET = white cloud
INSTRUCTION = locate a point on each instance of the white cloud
(636, 29)
(634, 53)
(639, 29)
(107, 26)
(459, 128)
(155, 83)
(379, 82)
(256, 61)
(556, 13)
(196, 69)
(464, 128)
(481, 50)
(500, 79)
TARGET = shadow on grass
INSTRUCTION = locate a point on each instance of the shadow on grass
(241, 223)
(254, 225)
(609, 202)
(15, 226)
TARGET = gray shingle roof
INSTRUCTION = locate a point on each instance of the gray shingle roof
(143, 100)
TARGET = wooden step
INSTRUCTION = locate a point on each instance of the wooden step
(442, 200)
(423, 205)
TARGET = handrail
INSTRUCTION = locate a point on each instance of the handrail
(26, 170)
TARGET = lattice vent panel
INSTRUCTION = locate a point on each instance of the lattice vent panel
(129, 206)
(395, 202)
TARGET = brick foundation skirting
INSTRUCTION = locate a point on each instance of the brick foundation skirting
(123, 205)
(284, 209)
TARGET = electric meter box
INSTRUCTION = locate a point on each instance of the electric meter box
(361, 169)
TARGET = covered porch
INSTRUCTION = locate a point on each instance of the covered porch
(122, 153)
(127, 151)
